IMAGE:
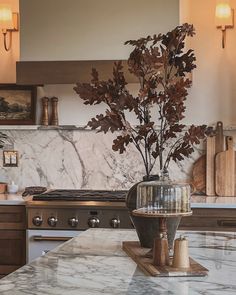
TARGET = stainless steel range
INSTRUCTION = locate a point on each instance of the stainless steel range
(59, 215)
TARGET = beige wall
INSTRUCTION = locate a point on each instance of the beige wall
(213, 95)
(90, 36)
(87, 29)
(90, 29)
(8, 58)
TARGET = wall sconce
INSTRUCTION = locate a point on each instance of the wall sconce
(8, 23)
(224, 18)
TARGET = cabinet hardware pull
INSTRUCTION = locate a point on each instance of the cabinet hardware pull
(230, 223)
(49, 238)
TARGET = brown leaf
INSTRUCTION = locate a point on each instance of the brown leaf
(120, 143)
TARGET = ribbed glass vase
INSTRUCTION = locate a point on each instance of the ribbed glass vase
(153, 196)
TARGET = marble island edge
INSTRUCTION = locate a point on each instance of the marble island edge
(94, 263)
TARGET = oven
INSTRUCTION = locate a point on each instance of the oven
(39, 242)
(56, 216)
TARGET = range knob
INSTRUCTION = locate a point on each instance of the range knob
(93, 222)
(52, 221)
(73, 222)
(37, 220)
(115, 222)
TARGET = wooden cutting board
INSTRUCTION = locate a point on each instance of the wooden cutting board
(214, 145)
(225, 170)
(199, 175)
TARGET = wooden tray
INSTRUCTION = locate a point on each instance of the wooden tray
(144, 260)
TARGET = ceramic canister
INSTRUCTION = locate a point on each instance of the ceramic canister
(181, 255)
(12, 188)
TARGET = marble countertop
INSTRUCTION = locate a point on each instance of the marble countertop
(213, 202)
(196, 201)
(93, 263)
(12, 199)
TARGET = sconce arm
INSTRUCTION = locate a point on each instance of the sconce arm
(7, 48)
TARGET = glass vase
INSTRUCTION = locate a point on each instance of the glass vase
(155, 196)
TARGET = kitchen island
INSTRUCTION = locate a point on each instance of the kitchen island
(94, 263)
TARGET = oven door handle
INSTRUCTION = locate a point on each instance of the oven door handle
(50, 238)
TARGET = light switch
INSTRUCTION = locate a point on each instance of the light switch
(10, 158)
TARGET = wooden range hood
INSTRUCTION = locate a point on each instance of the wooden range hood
(66, 72)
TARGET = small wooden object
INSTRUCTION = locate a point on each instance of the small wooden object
(45, 116)
(181, 256)
(235, 172)
(145, 263)
(210, 165)
(54, 117)
(160, 247)
(225, 170)
(3, 187)
(160, 251)
(214, 145)
(199, 175)
(219, 140)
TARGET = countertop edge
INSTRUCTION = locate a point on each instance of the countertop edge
(211, 203)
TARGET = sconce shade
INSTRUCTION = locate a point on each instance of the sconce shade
(224, 15)
(6, 18)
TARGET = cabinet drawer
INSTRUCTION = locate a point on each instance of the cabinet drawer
(12, 217)
(210, 219)
(12, 250)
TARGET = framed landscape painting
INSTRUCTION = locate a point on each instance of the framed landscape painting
(17, 104)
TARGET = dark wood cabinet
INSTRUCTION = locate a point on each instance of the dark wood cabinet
(12, 238)
(210, 219)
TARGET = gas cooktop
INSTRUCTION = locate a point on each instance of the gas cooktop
(82, 195)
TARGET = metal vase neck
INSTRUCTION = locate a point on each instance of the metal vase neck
(162, 175)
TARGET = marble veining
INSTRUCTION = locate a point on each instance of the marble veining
(94, 263)
(78, 159)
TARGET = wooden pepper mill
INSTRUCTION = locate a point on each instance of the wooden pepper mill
(45, 117)
(160, 248)
(181, 256)
(161, 251)
(54, 115)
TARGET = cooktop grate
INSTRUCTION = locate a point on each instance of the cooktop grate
(82, 195)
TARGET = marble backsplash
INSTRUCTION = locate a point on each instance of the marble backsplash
(78, 159)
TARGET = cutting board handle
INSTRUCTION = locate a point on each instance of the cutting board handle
(229, 143)
(219, 146)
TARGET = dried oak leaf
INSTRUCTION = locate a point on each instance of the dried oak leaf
(88, 93)
(109, 122)
(172, 131)
(120, 143)
(194, 134)
(185, 62)
(2, 137)
(182, 151)
(152, 139)
(145, 129)
(118, 75)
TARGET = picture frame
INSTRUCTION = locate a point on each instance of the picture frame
(17, 104)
